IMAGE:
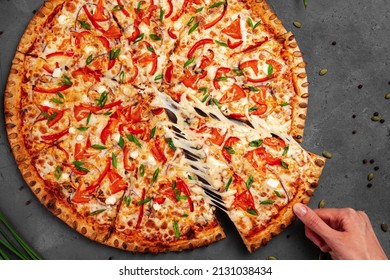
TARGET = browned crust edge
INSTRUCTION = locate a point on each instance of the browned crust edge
(129, 243)
(269, 17)
(286, 215)
(301, 86)
(32, 30)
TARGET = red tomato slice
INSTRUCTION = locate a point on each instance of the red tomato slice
(252, 64)
(235, 93)
(218, 74)
(81, 195)
(190, 80)
(229, 143)
(113, 32)
(182, 187)
(244, 200)
(108, 129)
(117, 182)
(157, 151)
(274, 142)
(99, 12)
(234, 29)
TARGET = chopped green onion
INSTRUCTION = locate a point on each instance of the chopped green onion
(101, 102)
(270, 70)
(161, 14)
(285, 151)
(60, 95)
(114, 161)
(121, 142)
(217, 4)
(133, 139)
(58, 172)
(265, 202)
(204, 89)
(221, 43)
(142, 170)
(277, 193)
(188, 62)
(284, 104)
(139, 38)
(65, 81)
(82, 128)
(114, 53)
(152, 133)
(94, 213)
(228, 183)
(144, 201)
(154, 37)
(117, 8)
(249, 182)
(84, 25)
(176, 229)
(216, 102)
(250, 23)
(252, 109)
(89, 117)
(193, 28)
(254, 89)
(139, 6)
(127, 200)
(229, 149)
(55, 100)
(238, 71)
(199, 10)
(149, 48)
(89, 59)
(252, 211)
(205, 98)
(155, 175)
(158, 77)
(79, 166)
(284, 165)
(222, 78)
(98, 147)
(170, 143)
(191, 21)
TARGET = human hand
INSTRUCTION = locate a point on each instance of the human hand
(344, 233)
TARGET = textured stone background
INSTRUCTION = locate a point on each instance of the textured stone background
(351, 39)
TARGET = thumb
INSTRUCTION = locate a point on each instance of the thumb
(313, 221)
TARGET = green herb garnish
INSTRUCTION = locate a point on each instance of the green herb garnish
(139, 38)
(89, 59)
(188, 62)
(217, 4)
(270, 70)
(155, 175)
(249, 182)
(79, 166)
(228, 183)
(58, 172)
(101, 102)
(121, 142)
(252, 211)
(229, 149)
(193, 28)
(154, 37)
(266, 202)
(221, 43)
(285, 151)
(142, 170)
(114, 161)
(133, 139)
(84, 25)
(176, 229)
(170, 143)
(152, 133)
(256, 143)
(55, 100)
(144, 201)
(94, 213)
(127, 200)
(98, 147)
(277, 193)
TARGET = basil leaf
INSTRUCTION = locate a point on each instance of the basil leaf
(277, 193)
(158, 77)
(154, 37)
(252, 211)
(284, 104)
(199, 10)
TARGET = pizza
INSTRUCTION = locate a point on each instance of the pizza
(133, 121)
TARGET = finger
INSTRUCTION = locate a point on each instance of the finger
(313, 221)
(314, 237)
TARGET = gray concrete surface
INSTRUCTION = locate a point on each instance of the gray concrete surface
(351, 39)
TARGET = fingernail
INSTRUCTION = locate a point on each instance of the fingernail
(300, 209)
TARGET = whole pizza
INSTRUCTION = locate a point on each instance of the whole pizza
(132, 121)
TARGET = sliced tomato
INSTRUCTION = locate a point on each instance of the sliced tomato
(82, 111)
(157, 151)
(113, 32)
(234, 29)
(207, 60)
(99, 12)
(259, 157)
(197, 45)
(274, 142)
(234, 93)
(252, 64)
(81, 195)
(238, 183)
(251, 47)
(245, 201)
(79, 36)
(54, 114)
(157, 111)
(54, 54)
(182, 187)
(127, 165)
(146, 59)
(117, 182)
(261, 109)
(55, 136)
(229, 143)
(145, 15)
(167, 191)
(236, 116)
(216, 134)
(48, 69)
(221, 71)
(216, 20)
(88, 74)
(191, 80)
(135, 34)
(108, 130)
